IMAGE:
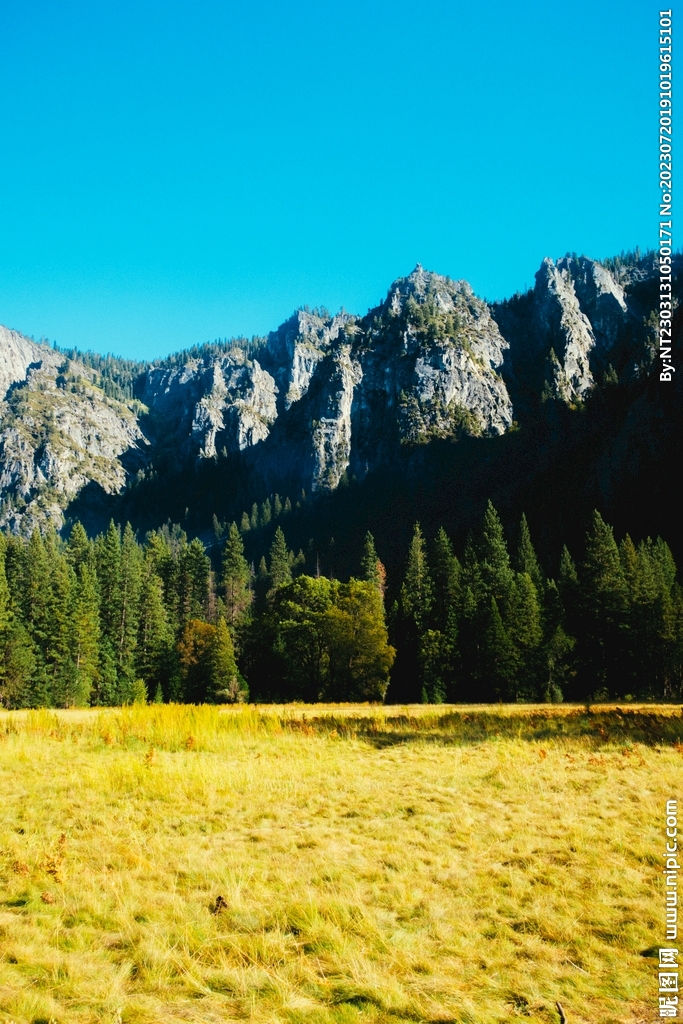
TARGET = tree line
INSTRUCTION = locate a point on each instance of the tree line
(495, 627)
(110, 620)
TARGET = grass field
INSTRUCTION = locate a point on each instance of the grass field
(336, 865)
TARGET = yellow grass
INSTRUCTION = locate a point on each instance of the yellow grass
(374, 865)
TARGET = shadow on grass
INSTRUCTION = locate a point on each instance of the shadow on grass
(598, 727)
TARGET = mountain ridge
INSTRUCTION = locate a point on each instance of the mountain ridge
(323, 399)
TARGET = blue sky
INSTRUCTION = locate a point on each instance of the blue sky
(180, 171)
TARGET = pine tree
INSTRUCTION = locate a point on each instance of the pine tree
(417, 588)
(161, 558)
(266, 513)
(79, 547)
(5, 621)
(236, 578)
(524, 629)
(557, 647)
(568, 589)
(108, 559)
(440, 647)
(35, 593)
(59, 647)
(371, 568)
(408, 680)
(194, 569)
(127, 628)
(280, 570)
(526, 557)
(154, 649)
(18, 688)
(495, 572)
(5, 613)
(501, 661)
(225, 683)
(446, 573)
(85, 637)
(628, 557)
(604, 607)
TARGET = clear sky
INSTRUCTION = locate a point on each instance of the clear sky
(173, 172)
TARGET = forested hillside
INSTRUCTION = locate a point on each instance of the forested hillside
(425, 408)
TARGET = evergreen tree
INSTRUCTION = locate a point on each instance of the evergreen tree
(154, 660)
(194, 569)
(500, 659)
(236, 578)
(225, 683)
(108, 561)
(130, 580)
(408, 682)
(524, 630)
(280, 570)
(18, 687)
(371, 568)
(78, 548)
(603, 607)
(628, 557)
(5, 599)
(161, 558)
(569, 591)
(34, 598)
(85, 638)
(558, 663)
(494, 570)
(60, 635)
(5, 620)
(526, 557)
(439, 648)
(417, 588)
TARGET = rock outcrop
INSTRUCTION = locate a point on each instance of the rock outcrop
(58, 432)
(569, 327)
(228, 401)
(321, 398)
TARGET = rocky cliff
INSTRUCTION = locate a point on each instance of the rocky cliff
(58, 432)
(323, 397)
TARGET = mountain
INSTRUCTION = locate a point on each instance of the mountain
(434, 384)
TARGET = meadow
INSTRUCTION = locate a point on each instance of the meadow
(333, 865)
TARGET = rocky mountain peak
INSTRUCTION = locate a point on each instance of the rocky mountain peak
(426, 287)
(322, 397)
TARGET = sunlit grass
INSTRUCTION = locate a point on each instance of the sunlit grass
(374, 865)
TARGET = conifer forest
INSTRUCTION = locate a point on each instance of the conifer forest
(116, 620)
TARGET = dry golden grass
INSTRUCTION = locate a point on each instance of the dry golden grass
(297, 865)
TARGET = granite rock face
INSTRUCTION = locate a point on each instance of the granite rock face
(58, 432)
(321, 398)
(18, 353)
(227, 400)
(579, 312)
(438, 355)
